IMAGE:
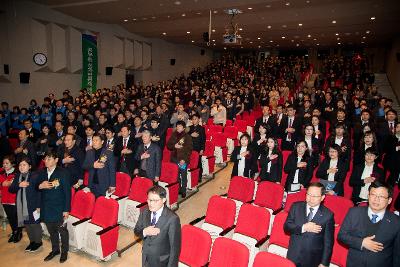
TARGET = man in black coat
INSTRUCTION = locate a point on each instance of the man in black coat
(124, 149)
(311, 228)
(55, 204)
(33, 134)
(269, 120)
(100, 163)
(290, 129)
(71, 158)
(160, 229)
(372, 233)
(148, 155)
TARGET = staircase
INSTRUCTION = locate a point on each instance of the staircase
(384, 88)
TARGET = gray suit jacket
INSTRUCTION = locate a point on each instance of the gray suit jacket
(153, 164)
(162, 250)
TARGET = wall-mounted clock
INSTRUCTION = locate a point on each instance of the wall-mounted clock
(40, 59)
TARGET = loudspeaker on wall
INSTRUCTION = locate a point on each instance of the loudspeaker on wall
(172, 61)
(202, 52)
(24, 77)
(109, 70)
(6, 69)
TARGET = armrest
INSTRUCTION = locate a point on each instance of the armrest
(224, 195)
(250, 201)
(106, 229)
(169, 185)
(197, 220)
(141, 205)
(80, 221)
(119, 198)
(262, 241)
(277, 211)
(192, 170)
(227, 230)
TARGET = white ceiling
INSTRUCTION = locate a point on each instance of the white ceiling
(264, 23)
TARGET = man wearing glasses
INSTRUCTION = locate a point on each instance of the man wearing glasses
(311, 228)
(160, 230)
(372, 233)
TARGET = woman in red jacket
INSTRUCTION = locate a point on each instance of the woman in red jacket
(8, 199)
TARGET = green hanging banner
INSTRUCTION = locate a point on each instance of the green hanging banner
(89, 62)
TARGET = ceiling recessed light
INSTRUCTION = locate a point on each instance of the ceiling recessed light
(168, 16)
(153, 17)
(367, 32)
(259, 46)
(269, 26)
(213, 40)
(268, 6)
(215, 12)
(308, 1)
(177, 3)
(333, 21)
(192, 41)
(284, 26)
(362, 42)
(338, 38)
(251, 42)
(336, 34)
(315, 39)
(317, 44)
(287, 4)
(300, 24)
(292, 41)
(271, 41)
(249, 8)
(309, 36)
(283, 37)
(240, 29)
(364, 37)
(373, 18)
(198, 13)
(241, 47)
(297, 44)
(164, 33)
(224, 48)
(277, 45)
(215, 44)
(183, 15)
(125, 20)
(188, 32)
(134, 19)
(338, 43)
(213, 30)
(259, 38)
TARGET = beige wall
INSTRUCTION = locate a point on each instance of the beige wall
(393, 67)
(27, 28)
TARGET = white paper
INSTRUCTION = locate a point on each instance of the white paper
(294, 187)
(36, 215)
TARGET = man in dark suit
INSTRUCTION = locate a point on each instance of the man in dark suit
(25, 148)
(55, 204)
(33, 134)
(268, 119)
(100, 163)
(372, 233)
(290, 129)
(148, 155)
(71, 158)
(311, 228)
(124, 151)
(160, 229)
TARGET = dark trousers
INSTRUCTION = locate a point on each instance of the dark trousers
(11, 211)
(182, 176)
(57, 230)
(142, 173)
(34, 232)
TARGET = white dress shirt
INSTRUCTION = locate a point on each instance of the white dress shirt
(332, 164)
(366, 173)
(242, 161)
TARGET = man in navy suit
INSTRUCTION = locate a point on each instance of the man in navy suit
(372, 233)
(311, 227)
(149, 156)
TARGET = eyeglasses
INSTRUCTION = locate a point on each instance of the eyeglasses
(153, 200)
(377, 197)
(312, 195)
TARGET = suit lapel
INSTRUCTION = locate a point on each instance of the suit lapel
(384, 225)
(161, 220)
(318, 215)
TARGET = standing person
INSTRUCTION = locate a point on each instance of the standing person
(8, 199)
(149, 156)
(218, 112)
(100, 163)
(123, 151)
(198, 134)
(71, 158)
(244, 158)
(160, 229)
(271, 161)
(372, 233)
(311, 228)
(25, 148)
(290, 129)
(27, 203)
(181, 144)
(55, 204)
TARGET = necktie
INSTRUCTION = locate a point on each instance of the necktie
(374, 218)
(124, 143)
(265, 119)
(391, 127)
(88, 141)
(153, 219)
(289, 135)
(310, 215)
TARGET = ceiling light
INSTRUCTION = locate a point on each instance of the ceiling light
(224, 48)
(183, 15)
(277, 45)
(338, 38)
(213, 30)
(240, 29)
(297, 45)
(269, 26)
(271, 41)
(168, 16)
(367, 32)
(251, 42)
(214, 44)
(333, 21)
(164, 33)
(373, 18)
(249, 8)
(317, 44)
(188, 32)
(283, 37)
(215, 12)
(153, 17)
(259, 38)
(177, 3)
(338, 43)
(309, 36)
(198, 13)
(144, 18)
(134, 19)
(362, 42)
(308, 1)
(287, 4)
(364, 37)
(213, 40)
(315, 39)
(292, 41)
(284, 26)
(192, 41)
(241, 47)
(259, 46)
(336, 34)
(125, 20)
(300, 24)
(268, 6)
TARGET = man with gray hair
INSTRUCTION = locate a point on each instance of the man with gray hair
(148, 155)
